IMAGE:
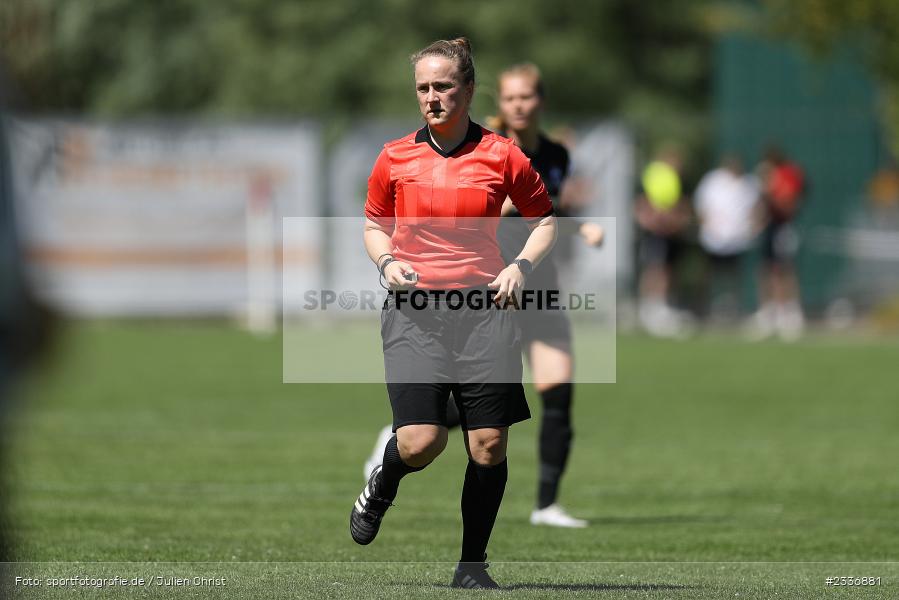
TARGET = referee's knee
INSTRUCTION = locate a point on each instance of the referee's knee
(487, 446)
(420, 444)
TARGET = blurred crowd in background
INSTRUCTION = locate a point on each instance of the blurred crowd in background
(731, 210)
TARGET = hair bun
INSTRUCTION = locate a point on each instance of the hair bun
(463, 42)
(457, 50)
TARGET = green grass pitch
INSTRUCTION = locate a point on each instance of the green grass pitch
(712, 469)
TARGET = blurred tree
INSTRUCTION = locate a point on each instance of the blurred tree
(645, 62)
(872, 25)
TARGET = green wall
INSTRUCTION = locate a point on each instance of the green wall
(822, 111)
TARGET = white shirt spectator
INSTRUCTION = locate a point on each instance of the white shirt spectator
(725, 202)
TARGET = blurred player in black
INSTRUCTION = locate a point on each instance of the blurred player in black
(24, 324)
(546, 334)
(8, 300)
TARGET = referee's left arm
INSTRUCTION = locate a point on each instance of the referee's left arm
(543, 236)
(527, 192)
(510, 280)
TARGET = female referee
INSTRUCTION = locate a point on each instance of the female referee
(431, 198)
(546, 334)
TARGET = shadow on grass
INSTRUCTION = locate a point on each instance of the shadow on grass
(584, 587)
(660, 519)
(596, 587)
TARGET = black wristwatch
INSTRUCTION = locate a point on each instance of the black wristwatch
(524, 265)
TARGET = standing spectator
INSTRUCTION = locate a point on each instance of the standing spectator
(783, 186)
(726, 204)
(662, 216)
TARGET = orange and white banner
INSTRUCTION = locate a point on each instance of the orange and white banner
(167, 218)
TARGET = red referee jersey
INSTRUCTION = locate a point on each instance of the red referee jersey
(446, 205)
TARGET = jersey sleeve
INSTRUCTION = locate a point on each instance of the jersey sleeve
(380, 202)
(525, 187)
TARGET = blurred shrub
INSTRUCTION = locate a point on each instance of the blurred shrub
(646, 62)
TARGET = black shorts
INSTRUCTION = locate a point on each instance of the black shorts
(550, 326)
(657, 250)
(537, 324)
(780, 243)
(480, 405)
(436, 347)
(725, 264)
(543, 324)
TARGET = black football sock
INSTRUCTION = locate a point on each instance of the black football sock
(393, 469)
(481, 496)
(555, 441)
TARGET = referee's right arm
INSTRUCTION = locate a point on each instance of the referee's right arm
(379, 245)
(380, 221)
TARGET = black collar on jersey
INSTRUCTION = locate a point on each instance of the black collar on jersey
(472, 135)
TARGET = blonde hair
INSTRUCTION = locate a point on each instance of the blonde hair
(457, 50)
(525, 69)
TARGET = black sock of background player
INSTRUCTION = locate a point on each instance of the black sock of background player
(481, 496)
(555, 441)
(393, 469)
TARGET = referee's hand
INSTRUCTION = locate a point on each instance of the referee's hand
(508, 285)
(395, 275)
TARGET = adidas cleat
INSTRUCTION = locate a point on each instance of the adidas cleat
(473, 576)
(369, 509)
